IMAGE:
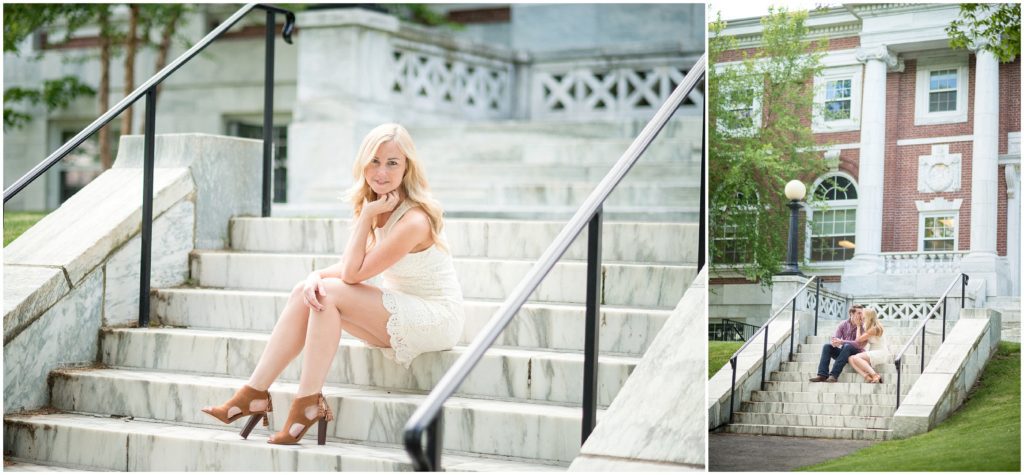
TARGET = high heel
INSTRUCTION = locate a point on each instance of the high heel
(243, 399)
(297, 415)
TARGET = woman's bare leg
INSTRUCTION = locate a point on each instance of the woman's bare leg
(858, 365)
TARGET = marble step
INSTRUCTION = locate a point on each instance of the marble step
(664, 243)
(682, 192)
(815, 420)
(649, 171)
(505, 149)
(679, 126)
(910, 356)
(811, 369)
(845, 377)
(913, 349)
(624, 331)
(1011, 332)
(17, 465)
(888, 387)
(618, 213)
(503, 373)
(825, 398)
(808, 431)
(894, 341)
(98, 443)
(818, 409)
(624, 284)
(536, 431)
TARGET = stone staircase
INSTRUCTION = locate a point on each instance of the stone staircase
(1009, 308)
(790, 405)
(138, 407)
(544, 170)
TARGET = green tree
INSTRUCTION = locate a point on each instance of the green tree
(20, 21)
(760, 107)
(998, 25)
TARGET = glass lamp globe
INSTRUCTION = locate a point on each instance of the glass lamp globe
(795, 190)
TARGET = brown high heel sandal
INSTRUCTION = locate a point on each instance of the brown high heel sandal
(297, 415)
(243, 399)
(876, 378)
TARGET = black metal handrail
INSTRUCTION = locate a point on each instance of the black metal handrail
(148, 89)
(428, 416)
(743, 331)
(898, 359)
(791, 302)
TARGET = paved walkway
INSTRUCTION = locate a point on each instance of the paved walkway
(765, 453)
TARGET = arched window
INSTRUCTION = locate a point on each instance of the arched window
(832, 225)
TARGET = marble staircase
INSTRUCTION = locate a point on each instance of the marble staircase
(790, 405)
(539, 170)
(1009, 309)
(137, 408)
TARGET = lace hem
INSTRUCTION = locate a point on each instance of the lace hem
(399, 351)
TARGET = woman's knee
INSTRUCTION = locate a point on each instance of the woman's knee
(335, 291)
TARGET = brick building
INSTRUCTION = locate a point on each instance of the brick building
(923, 147)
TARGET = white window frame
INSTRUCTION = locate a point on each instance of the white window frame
(856, 75)
(923, 89)
(755, 116)
(833, 205)
(938, 207)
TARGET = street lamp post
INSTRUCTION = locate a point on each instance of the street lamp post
(795, 191)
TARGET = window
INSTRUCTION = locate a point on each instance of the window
(731, 245)
(937, 228)
(939, 233)
(941, 91)
(734, 249)
(237, 128)
(832, 228)
(745, 111)
(837, 100)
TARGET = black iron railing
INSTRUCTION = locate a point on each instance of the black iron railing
(898, 360)
(791, 303)
(730, 330)
(427, 420)
(148, 89)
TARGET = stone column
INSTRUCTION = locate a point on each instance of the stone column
(982, 260)
(867, 259)
(1012, 173)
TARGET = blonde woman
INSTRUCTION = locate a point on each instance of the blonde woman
(877, 353)
(397, 233)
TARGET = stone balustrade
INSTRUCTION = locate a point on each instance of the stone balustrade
(922, 262)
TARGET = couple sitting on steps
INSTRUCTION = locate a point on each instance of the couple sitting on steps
(860, 341)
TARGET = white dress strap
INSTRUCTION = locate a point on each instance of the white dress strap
(395, 216)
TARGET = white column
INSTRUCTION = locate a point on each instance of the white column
(867, 257)
(982, 261)
(1012, 172)
(984, 156)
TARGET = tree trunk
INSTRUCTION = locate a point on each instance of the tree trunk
(129, 67)
(165, 44)
(104, 133)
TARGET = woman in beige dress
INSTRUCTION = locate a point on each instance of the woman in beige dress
(876, 350)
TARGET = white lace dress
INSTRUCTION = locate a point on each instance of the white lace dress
(878, 351)
(423, 296)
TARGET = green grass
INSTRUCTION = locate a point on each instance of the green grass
(17, 223)
(719, 353)
(983, 435)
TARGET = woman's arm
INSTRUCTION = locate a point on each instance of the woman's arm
(411, 229)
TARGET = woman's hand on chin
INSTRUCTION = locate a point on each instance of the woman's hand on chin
(384, 204)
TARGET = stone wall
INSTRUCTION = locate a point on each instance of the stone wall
(77, 269)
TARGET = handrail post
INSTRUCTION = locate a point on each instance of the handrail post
(702, 215)
(764, 356)
(592, 331)
(899, 367)
(792, 327)
(732, 387)
(963, 290)
(924, 332)
(435, 442)
(944, 318)
(817, 303)
(268, 113)
(146, 233)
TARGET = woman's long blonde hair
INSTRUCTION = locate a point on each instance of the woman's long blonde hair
(414, 181)
(871, 321)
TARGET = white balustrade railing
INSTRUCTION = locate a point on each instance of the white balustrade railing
(606, 86)
(833, 304)
(922, 262)
(446, 79)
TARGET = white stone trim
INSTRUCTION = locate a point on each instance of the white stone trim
(938, 204)
(855, 74)
(939, 172)
(935, 140)
(838, 146)
(921, 89)
(1013, 143)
